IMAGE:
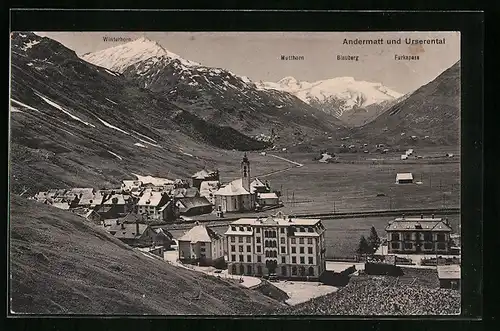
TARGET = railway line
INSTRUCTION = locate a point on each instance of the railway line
(362, 214)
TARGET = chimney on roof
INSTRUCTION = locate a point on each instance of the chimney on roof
(290, 218)
(403, 216)
(432, 215)
(446, 221)
(123, 225)
(421, 216)
(117, 222)
(196, 223)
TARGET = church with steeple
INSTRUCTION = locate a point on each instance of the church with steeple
(238, 195)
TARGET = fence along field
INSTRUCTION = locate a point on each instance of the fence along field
(360, 186)
(353, 187)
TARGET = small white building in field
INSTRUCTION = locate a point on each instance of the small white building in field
(404, 157)
(267, 199)
(404, 178)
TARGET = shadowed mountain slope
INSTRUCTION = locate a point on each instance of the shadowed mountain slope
(60, 264)
(73, 123)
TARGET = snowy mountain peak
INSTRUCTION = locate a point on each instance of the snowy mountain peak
(341, 93)
(289, 80)
(119, 57)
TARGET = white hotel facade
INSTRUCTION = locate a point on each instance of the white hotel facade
(286, 246)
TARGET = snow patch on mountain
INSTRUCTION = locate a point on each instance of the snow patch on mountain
(30, 44)
(140, 134)
(55, 105)
(146, 142)
(19, 103)
(71, 134)
(116, 155)
(119, 57)
(112, 126)
(140, 145)
(111, 72)
(111, 101)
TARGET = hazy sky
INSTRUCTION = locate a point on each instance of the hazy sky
(257, 54)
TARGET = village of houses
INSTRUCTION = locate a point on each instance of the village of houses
(282, 248)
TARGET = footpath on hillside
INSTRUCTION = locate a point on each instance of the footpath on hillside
(296, 165)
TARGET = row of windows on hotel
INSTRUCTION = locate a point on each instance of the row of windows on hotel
(283, 249)
(295, 270)
(302, 259)
(440, 245)
(426, 236)
(272, 233)
(282, 240)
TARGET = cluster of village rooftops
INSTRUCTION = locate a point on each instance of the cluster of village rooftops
(138, 213)
(164, 200)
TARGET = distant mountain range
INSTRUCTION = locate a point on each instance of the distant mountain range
(337, 96)
(353, 102)
(215, 94)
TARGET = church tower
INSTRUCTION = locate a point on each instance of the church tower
(245, 173)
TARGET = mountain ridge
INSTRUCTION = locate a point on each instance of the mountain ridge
(431, 115)
(336, 96)
(221, 97)
(69, 119)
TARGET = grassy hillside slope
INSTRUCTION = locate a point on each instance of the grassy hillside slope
(61, 265)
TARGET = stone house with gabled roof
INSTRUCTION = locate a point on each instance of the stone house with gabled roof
(204, 175)
(201, 244)
(131, 231)
(418, 235)
(156, 206)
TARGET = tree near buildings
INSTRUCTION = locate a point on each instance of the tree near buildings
(363, 247)
(373, 240)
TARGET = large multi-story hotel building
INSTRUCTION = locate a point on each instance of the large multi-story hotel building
(418, 236)
(283, 245)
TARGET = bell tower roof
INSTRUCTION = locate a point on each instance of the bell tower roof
(245, 158)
